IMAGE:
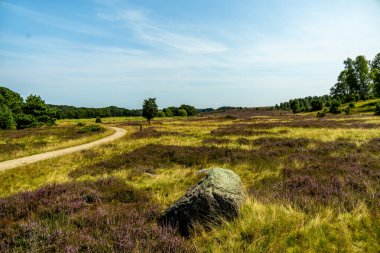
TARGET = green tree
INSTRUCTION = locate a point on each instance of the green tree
(334, 107)
(150, 109)
(351, 77)
(191, 111)
(35, 106)
(375, 75)
(362, 73)
(161, 114)
(6, 118)
(182, 112)
(341, 88)
(11, 99)
(316, 105)
(168, 112)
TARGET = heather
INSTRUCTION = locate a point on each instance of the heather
(312, 185)
(102, 216)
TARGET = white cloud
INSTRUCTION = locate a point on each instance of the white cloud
(172, 36)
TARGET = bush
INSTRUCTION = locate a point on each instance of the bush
(81, 124)
(46, 120)
(98, 120)
(316, 105)
(334, 108)
(322, 114)
(377, 109)
(351, 105)
(25, 121)
(90, 129)
(182, 112)
(6, 118)
(161, 114)
(168, 112)
(230, 117)
(347, 110)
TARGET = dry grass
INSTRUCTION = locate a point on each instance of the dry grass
(313, 184)
(20, 143)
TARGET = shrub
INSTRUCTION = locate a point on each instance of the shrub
(81, 124)
(347, 110)
(377, 109)
(6, 118)
(230, 117)
(316, 105)
(98, 120)
(46, 120)
(321, 114)
(25, 121)
(351, 105)
(334, 108)
(182, 113)
(90, 129)
(168, 112)
(161, 114)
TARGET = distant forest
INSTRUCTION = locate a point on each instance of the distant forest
(360, 80)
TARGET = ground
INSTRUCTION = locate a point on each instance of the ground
(313, 185)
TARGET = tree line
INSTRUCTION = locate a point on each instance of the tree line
(15, 113)
(72, 112)
(359, 80)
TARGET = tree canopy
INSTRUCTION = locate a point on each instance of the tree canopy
(150, 109)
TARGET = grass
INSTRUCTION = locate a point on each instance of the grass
(20, 143)
(313, 186)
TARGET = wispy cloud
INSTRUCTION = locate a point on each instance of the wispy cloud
(165, 34)
(52, 21)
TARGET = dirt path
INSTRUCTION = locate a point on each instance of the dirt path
(10, 164)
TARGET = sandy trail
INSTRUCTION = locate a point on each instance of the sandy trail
(10, 164)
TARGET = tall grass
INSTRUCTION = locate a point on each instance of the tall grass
(313, 185)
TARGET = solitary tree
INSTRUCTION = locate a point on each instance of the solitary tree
(150, 109)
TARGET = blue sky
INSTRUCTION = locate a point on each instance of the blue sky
(206, 53)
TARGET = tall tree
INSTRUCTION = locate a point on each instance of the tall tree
(6, 118)
(341, 88)
(11, 99)
(361, 66)
(375, 75)
(150, 109)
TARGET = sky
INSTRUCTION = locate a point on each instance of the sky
(206, 53)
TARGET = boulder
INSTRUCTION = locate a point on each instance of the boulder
(217, 196)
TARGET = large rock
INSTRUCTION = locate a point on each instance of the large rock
(216, 196)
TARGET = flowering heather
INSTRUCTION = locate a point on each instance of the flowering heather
(102, 216)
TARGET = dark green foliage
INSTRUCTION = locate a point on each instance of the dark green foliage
(190, 110)
(230, 117)
(71, 112)
(150, 109)
(347, 110)
(31, 113)
(90, 129)
(377, 109)
(182, 112)
(375, 73)
(351, 105)
(25, 121)
(321, 114)
(11, 99)
(306, 104)
(98, 120)
(161, 114)
(6, 118)
(334, 108)
(316, 105)
(168, 112)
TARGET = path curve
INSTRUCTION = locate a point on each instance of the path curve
(10, 164)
